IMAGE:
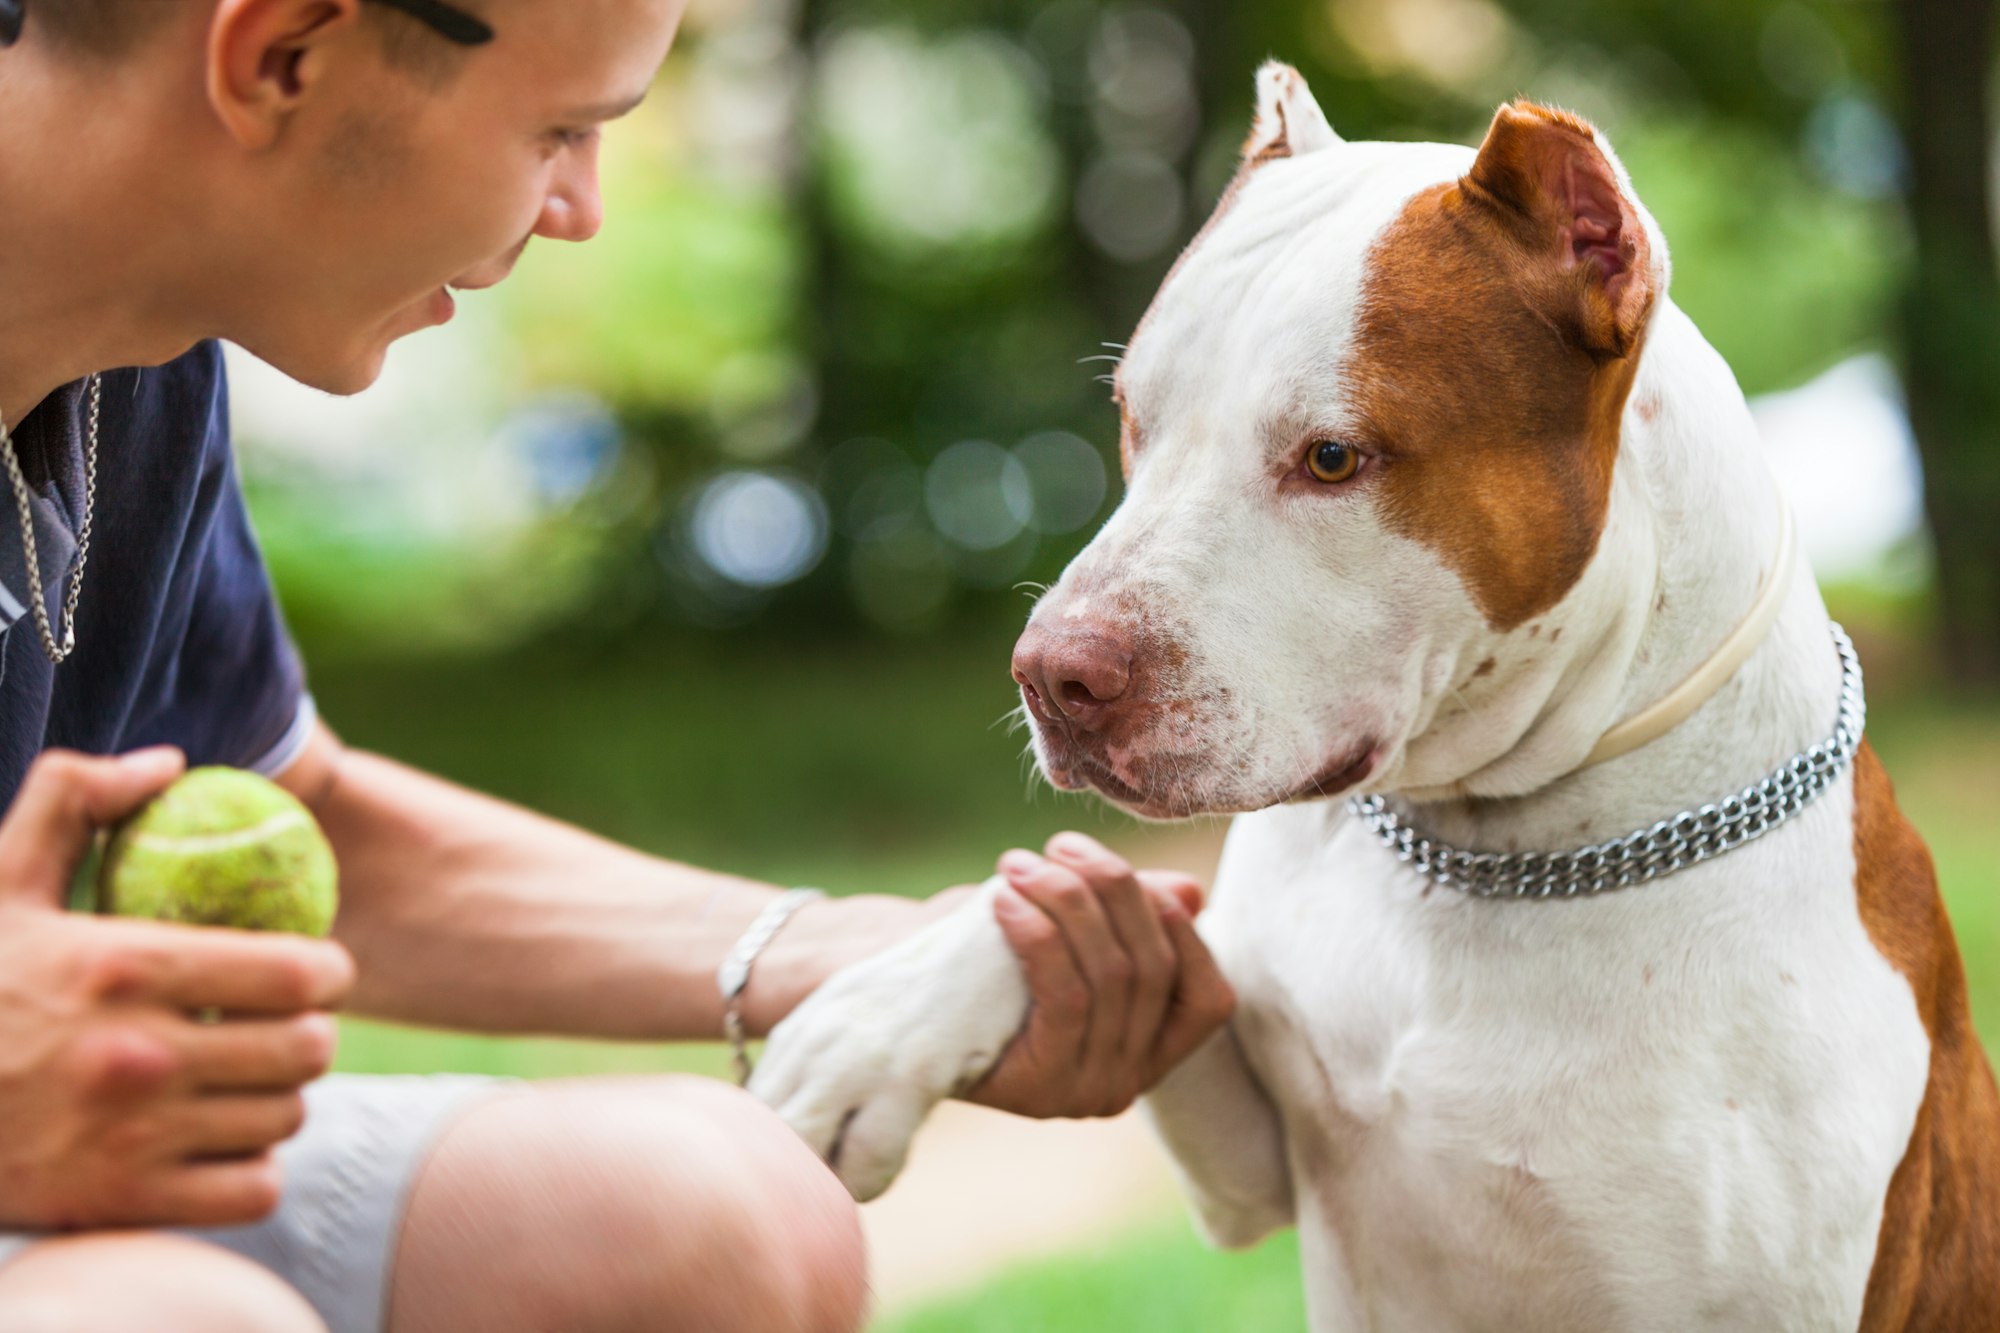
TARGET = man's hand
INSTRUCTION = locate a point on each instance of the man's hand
(120, 1105)
(1123, 988)
(1066, 987)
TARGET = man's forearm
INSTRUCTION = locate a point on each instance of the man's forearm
(466, 912)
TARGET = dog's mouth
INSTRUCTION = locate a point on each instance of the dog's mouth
(1339, 776)
(1182, 786)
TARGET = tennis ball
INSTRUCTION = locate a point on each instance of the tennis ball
(222, 847)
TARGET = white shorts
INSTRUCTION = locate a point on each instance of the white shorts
(348, 1175)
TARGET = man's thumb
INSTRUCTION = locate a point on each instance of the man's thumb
(64, 799)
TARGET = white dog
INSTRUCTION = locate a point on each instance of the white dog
(1436, 498)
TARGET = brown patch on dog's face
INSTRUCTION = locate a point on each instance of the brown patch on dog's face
(1498, 338)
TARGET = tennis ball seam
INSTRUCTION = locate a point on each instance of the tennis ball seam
(199, 844)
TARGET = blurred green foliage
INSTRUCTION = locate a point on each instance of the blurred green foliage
(1783, 276)
(911, 225)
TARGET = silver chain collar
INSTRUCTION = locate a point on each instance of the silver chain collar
(1689, 838)
(38, 602)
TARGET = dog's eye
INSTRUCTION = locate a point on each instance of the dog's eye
(1331, 462)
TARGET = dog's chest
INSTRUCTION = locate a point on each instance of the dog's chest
(1550, 1115)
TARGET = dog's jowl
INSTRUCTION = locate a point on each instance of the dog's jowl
(1589, 978)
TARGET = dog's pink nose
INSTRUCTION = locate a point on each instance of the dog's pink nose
(1072, 673)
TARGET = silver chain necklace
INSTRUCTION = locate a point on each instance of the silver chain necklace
(1689, 838)
(39, 602)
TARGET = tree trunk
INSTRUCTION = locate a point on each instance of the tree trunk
(1951, 317)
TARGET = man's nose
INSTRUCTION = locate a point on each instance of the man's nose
(1076, 674)
(574, 209)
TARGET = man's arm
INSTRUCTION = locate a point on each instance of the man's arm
(470, 913)
(467, 912)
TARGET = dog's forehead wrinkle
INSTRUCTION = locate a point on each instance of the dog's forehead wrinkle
(1297, 227)
(1272, 358)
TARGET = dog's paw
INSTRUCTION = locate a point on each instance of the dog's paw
(857, 1067)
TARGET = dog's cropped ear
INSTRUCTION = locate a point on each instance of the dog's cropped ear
(1289, 122)
(1560, 190)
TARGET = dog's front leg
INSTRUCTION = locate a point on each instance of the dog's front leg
(857, 1067)
(1227, 1142)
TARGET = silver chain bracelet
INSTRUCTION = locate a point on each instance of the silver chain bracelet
(733, 977)
(1688, 838)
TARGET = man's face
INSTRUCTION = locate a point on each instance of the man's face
(391, 191)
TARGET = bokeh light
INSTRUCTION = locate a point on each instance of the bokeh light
(1066, 480)
(979, 495)
(758, 529)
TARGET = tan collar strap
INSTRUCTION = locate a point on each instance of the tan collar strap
(1698, 688)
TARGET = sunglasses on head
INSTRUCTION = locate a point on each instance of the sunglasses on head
(451, 23)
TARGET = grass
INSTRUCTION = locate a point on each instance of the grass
(1164, 1281)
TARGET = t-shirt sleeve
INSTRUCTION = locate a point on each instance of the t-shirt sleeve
(224, 681)
(246, 704)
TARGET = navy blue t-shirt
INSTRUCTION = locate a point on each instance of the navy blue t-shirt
(178, 637)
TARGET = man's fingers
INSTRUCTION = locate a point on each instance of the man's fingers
(198, 968)
(1183, 889)
(1072, 902)
(257, 1054)
(1061, 995)
(1031, 1073)
(1202, 1002)
(63, 800)
(235, 1125)
(210, 1194)
(1135, 920)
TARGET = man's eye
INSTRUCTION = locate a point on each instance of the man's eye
(574, 138)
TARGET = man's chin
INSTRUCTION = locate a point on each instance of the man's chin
(342, 376)
(346, 381)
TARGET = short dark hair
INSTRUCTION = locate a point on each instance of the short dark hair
(107, 29)
(417, 49)
(101, 28)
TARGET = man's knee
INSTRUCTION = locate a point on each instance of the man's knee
(610, 1201)
(746, 1229)
(783, 1221)
(114, 1283)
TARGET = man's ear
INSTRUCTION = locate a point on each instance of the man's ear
(1560, 188)
(263, 56)
(1289, 122)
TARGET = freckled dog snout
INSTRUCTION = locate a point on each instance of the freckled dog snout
(1078, 675)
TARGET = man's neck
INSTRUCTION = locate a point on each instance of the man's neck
(91, 256)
